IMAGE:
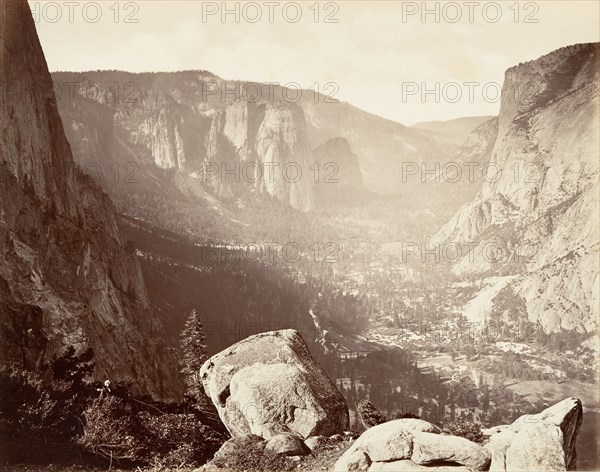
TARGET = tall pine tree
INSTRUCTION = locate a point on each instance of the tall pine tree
(193, 354)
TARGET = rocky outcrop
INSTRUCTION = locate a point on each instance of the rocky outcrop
(540, 193)
(71, 279)
(544, 441)
(186, 119)
(461, 178)
(382, 146)
(339, 177)
(24, 341)
(269, 381)
(284, 157)
(164, 121)
(405, 443)
(429, 449)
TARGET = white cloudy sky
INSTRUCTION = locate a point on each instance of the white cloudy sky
(372, 53)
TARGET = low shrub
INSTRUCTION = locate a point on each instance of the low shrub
(123, 430)
(113, 431)
(180, 439)
(248, 453)
(368, 414)
(399, 415)
(60, 409)
(465, 429)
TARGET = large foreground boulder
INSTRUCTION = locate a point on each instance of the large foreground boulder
(411, 444)
(270, 379)
(545, 441)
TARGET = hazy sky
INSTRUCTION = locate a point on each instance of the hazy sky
(381, 56)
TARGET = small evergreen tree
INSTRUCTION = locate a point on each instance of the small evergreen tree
(193, 354)
(368, 414)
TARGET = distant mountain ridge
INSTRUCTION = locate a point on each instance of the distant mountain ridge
(186, 120)
(452, 133)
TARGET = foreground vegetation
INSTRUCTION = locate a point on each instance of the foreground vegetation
(59, 416)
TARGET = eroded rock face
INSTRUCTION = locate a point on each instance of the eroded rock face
(545, 441)
(410, 444)
(66, 263)
(543, 197)
(271, 379)
(225, 147)
(433, 448)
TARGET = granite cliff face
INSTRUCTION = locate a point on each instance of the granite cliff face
(220, 132)
(459, 178)
(382, 146)
(541, 192)
(339, 177)
(170, 121)
(67, 275)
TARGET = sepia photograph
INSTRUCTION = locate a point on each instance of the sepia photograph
(299, 236)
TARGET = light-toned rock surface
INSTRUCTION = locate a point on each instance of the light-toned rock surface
(497, 445)
(287, 444)
(541, 195)
(414, 424)
(430, 448)
(281, 145)
(272, 378)
(352, 459)
(407, 442)
(410, 466)
(271, 429)
(544, 441)
(537, 446)
(385, 444)
(169, 124)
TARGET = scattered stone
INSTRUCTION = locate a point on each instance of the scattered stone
(351, 461)
(316, 442)
(233, 446)
(287, 444)
(271, 429)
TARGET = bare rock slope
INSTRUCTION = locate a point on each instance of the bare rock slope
(541, 193)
